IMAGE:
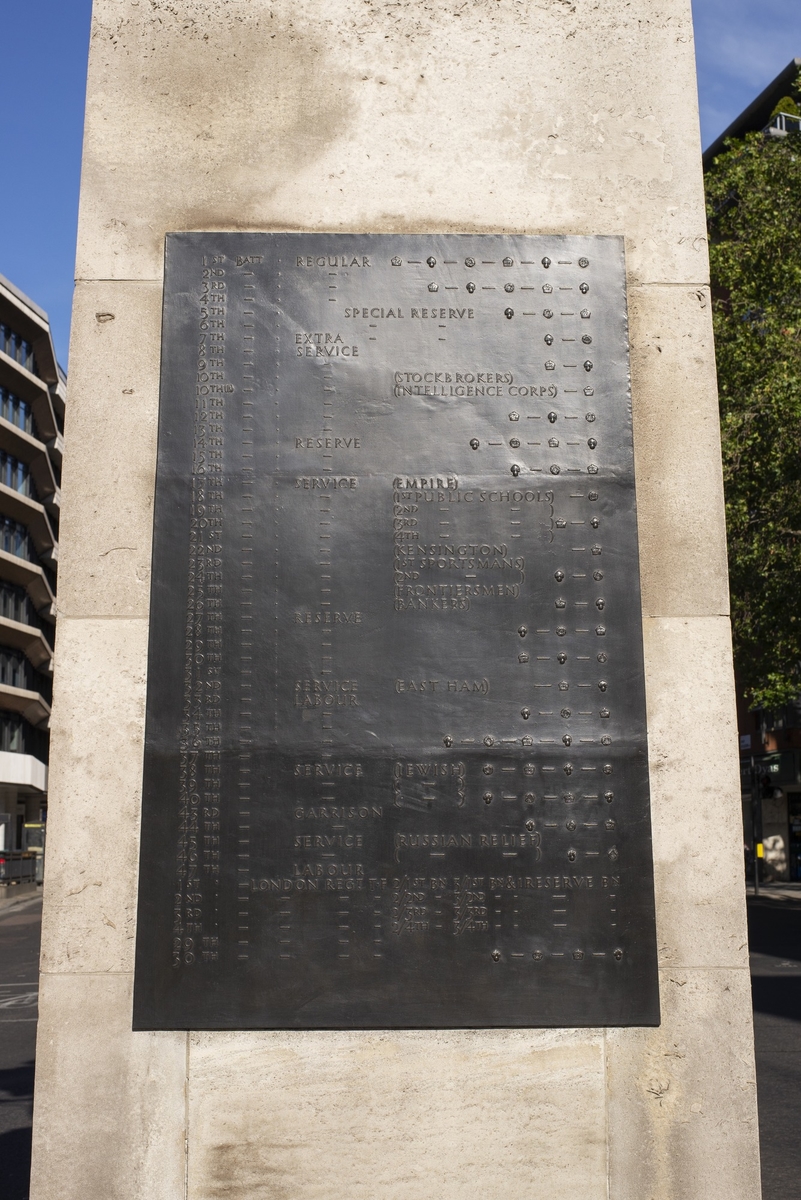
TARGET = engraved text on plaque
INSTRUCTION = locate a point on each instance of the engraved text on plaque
(396, 768)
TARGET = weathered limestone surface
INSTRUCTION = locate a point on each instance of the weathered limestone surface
(698, 868)
(113, 461)
(238, 114)
(682, 1098)
(96, 743)
(352, 115)
(407, 1116)
(109, 1107)
(677, 446)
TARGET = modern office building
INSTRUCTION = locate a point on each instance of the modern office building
(32, 395)
(761, 115)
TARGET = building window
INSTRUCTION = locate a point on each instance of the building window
(15, 604)
(14, 539)
(11, 734)
(18, 737)
(15, 410)
(16, 475)
(16, 347)
(15, 670)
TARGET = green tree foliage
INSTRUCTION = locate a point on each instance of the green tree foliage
(786, 105)
(754, 214)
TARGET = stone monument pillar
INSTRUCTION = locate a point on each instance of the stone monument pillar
(355, 117)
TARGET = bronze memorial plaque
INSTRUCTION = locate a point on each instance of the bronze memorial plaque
(396, 765)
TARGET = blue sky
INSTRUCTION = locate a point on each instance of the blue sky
(740, 45)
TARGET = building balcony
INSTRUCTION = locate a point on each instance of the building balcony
(33, 578)
(58, 392)
(29, 387)
(783, 123)
(33, 396)
(30, 705)
(23, 770)
(31, 641)
(32, 515)
(30, 320)
(55, 448)
(29, 450)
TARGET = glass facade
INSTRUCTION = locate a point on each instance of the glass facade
(16, 411)
(15, 346)
(18, 737)
(15, 539)
(26, 594)
(15, 603)
(17, 671)
(16, 475)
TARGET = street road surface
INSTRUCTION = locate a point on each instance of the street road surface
(775, 942)
(20, 925)
(774, 934)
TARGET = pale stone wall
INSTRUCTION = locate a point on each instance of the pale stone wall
(574, 116)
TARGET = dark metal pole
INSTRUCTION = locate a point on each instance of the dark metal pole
(756, 822)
